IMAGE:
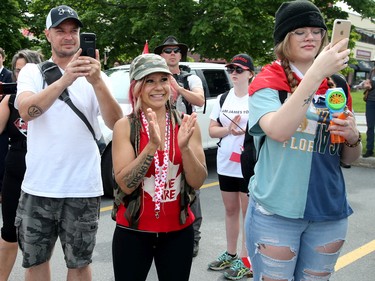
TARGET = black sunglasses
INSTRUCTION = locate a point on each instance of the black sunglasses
(170, 50)
(238, 69)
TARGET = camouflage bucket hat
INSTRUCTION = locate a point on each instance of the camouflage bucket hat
(146, 64)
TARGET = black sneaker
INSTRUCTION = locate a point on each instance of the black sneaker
(346, 166)
(368, 154)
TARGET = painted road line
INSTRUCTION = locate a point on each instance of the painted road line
(355, 255)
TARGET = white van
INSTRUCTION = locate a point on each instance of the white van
(215, 81)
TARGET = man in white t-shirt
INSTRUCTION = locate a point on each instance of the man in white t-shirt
(190, 93)
(62, 186)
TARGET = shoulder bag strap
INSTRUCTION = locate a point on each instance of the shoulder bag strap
(51, 73)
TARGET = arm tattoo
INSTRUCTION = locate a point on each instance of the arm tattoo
(135, 176)
(34, 111)
(308, 100)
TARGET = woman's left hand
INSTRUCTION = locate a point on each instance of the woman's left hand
(186, 129)
(346, 128)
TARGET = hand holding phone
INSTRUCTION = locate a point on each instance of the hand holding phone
(88, 44)
(341, 30)
(8, 88)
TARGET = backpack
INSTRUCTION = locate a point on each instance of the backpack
(182, 79)
(249, 154)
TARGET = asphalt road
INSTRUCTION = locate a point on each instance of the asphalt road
(356, 262)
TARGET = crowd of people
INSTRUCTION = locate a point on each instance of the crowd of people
(51, 179)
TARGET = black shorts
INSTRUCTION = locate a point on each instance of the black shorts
(232, 184)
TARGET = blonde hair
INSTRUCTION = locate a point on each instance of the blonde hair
(135, 91)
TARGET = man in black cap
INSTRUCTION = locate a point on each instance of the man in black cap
(190, 92)
(62, 186)
(188, 86)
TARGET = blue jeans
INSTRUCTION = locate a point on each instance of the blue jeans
(304, 248)
(370, 120)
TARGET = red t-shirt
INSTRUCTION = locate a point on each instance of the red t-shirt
(169, 215)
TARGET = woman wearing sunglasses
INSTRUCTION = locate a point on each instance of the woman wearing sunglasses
(228, 122)
(298, 210)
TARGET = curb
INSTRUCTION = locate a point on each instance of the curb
(365, 162)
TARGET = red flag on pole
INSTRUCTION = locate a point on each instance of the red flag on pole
(145, 48)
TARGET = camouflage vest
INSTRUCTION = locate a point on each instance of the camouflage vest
(132, 201)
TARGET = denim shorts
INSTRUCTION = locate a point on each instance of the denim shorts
(302, 237)
(40, 220)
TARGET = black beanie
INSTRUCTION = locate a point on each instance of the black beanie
(293, 15)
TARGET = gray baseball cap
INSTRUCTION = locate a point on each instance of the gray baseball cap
(146, 64)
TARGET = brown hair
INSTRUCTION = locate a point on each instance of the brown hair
(29, 56)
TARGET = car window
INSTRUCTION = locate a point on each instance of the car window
(217, 81)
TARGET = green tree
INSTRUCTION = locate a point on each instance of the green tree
(212, 28)
(12, 20)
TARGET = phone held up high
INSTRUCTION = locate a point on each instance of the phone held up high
(88, 44)
(341, 30)
(8, 88)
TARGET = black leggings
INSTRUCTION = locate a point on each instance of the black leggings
(14, 171)
(133, 253)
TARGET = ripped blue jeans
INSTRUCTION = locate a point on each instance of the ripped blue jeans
(292, 249)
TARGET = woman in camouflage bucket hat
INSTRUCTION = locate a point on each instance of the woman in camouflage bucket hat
(154, 153)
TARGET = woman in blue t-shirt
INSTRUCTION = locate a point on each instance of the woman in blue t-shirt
(297, 214)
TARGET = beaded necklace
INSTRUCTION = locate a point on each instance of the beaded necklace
(160, 171)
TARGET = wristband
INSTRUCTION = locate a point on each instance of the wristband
(355, 144)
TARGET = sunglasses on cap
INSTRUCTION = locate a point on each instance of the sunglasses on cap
(176, 50)
(238, 69)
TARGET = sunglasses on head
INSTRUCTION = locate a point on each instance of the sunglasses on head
(238, 69)
(170, 50)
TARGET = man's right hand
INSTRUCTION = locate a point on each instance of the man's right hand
(75, 68)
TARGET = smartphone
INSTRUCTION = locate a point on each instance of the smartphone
(341, 30)
(8, 88)
(88, 44)
(238, 126)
